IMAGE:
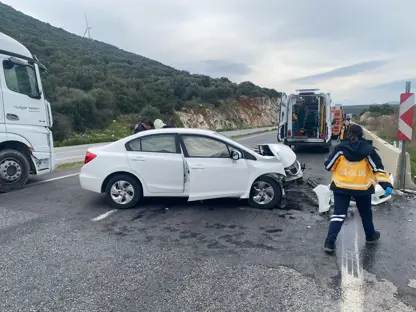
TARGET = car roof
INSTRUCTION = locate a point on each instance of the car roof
(178, 130)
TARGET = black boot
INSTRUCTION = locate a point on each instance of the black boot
(373, 239)
(329, 246)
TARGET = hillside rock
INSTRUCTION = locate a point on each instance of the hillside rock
(245, 112)
(384, 126)
(365, 116)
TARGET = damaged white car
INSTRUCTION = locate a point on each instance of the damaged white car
(194, 163)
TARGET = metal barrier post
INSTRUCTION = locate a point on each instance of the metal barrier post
(402, 183)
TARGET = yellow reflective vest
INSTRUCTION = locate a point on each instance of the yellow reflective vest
(357, 172)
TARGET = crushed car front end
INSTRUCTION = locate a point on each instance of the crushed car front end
(284, 154)
(294, 174)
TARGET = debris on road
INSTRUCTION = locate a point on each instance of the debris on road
(326, 196)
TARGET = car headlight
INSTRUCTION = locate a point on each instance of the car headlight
(293, 169)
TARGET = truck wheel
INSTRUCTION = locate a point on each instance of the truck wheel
(14, 170)
(265, 193)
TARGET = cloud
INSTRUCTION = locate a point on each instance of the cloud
(396, 86)
(340, 72)
(225, 68)
(275, 43)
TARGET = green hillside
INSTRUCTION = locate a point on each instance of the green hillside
(90, 83)
(359, 109)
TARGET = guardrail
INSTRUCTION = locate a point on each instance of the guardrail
(76, 153)
(391, 157)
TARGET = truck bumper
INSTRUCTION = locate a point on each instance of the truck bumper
(42, 162)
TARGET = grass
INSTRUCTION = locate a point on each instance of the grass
(412, 152)
(118, 129)
(69, 165)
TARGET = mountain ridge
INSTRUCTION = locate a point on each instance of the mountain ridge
(91, 83)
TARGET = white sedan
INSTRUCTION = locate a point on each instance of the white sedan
(194, 163)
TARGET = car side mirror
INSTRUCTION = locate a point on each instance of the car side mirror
(236, 155)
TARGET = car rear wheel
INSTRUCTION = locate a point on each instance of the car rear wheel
(265, 193)
(123, 191)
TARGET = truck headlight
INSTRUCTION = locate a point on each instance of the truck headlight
(293, 169)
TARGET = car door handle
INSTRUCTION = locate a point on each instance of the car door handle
(138, 159)
(198, 167)
(12, 117)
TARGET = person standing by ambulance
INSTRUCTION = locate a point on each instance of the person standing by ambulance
(356, 169)
(344, 129)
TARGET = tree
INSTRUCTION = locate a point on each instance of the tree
(150, 112)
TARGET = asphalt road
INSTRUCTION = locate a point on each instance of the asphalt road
(212, 256)
(71, 154)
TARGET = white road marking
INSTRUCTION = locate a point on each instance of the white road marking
(54, 179)
(352, 276)
(104, 215)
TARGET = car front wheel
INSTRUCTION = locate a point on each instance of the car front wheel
(265, 193)
(123, 191)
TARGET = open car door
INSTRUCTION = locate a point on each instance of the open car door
(212, 171)
(283, 117)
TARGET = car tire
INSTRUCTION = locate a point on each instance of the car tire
(128, 188)
(15, 169)
(266, 185)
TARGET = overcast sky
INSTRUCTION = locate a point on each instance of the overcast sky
(360, 51)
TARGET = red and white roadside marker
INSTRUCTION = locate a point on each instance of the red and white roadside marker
(406, 113)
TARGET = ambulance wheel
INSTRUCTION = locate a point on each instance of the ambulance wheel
(265, 193)
(327, 148)
(14, 170)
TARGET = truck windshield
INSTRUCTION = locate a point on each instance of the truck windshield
(21, 78)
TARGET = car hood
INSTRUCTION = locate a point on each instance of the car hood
(282, 152)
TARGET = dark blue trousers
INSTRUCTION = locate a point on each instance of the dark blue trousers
(341, 204)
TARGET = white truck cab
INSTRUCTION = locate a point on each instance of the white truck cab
(305, 119)
(26, 142)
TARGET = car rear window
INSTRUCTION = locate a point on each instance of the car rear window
(154, 144)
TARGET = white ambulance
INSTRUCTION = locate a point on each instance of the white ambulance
(305, 119)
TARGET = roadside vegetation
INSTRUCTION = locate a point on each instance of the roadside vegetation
(69, 165)
(412, 152)
(383, 121)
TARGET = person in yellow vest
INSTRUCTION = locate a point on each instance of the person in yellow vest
(344, 128)
(356, 168)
